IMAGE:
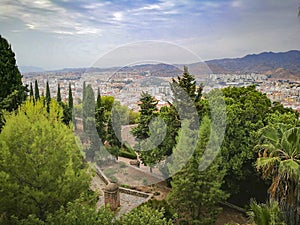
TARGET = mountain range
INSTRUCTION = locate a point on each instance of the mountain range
(277, 65)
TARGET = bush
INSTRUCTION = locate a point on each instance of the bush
(127, 154)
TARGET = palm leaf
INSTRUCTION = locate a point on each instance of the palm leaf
(289, 169)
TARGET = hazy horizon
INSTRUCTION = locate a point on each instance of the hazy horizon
(57, 34)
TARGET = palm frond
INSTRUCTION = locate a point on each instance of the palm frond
(289, 169)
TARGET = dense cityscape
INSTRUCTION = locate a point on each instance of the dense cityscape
(126, 87)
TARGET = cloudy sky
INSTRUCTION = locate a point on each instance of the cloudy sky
(55, 34)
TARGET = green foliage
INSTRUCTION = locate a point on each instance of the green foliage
(195, 194)
(40, 163)
(75, 213)
(246, 109)
(145, 215)
(48, 94)
(130, 154)
(70, 98)
(12, 92)
(279, 157)
(58, 97)
(36, 90)
(100, 117)
(142, 132)
(31, 92)
(265, 214)
(147, 113)
(187, 82)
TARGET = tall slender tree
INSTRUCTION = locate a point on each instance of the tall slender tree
(58, 97)
(100, 117)
(12, 91)
(31, 92)
(36, 90)
(48, 96)
(146, 147)
(70, 99)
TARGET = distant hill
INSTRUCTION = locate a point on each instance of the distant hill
(157, 70)
(277, 65)
(280, 65)
(30, 69)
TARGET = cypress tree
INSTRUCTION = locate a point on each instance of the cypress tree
(58, 97)
(12, 92)
(83, 91)
(100, 117)
(48, 96)
(36, 90)
(31, 92)
(70, 97)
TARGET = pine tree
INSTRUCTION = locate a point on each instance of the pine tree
(12, 92)
(58, 97)
(148, 111)
(146, 147)
(187, 82)
(195, 194)
(46, 171)
(36, 90)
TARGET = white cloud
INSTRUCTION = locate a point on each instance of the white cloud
(118, 16)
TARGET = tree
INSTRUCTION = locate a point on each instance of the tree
(12, 91)
(114, 133)
(70, 98)
(100, 117)
(31, 92)
(36, 90)
(195, 194)
(145, 215)
(41, 166)
(265, 214)
(148, 112)
(48, 96)
(58, 97)
(246, 110)
(279, 158)
(187, 82)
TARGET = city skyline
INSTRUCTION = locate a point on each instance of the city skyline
(58, 34)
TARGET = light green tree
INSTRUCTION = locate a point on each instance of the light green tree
(41, 167)
(145, 215)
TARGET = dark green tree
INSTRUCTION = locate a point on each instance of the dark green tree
(195, 194)
(187, 82)
(100, 117)
(58, 97)
(31, 97)
(36, 90)
(114, 133)
(70, 98)
(48, 96)
(148, 111)
(12, 91)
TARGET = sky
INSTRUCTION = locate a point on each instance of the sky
(55, 34)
